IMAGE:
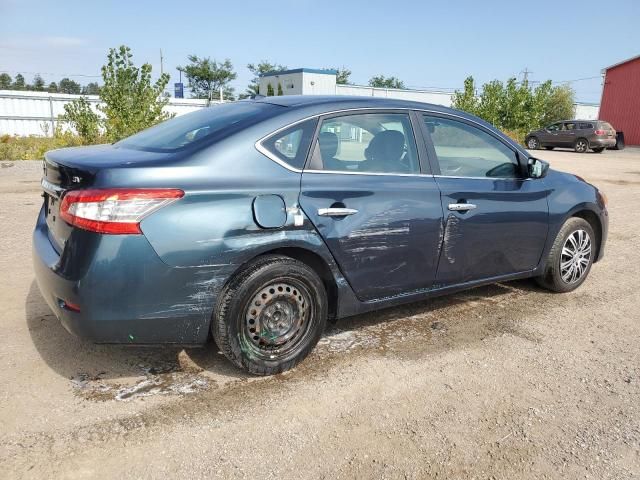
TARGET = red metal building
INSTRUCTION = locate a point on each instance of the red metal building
(620, 105)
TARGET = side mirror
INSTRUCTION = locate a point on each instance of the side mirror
(537, 168)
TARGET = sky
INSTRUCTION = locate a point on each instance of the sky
(427, 44)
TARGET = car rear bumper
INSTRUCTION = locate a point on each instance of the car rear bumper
(602, 142)
(124, 292)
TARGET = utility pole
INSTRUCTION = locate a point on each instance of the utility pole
(161, 63)
(525, 74)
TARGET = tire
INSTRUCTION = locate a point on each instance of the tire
(598, 150)
(555, 276)
(581, 145)
(549, 148)
(270, 315)
(533, 143)
(619, 141)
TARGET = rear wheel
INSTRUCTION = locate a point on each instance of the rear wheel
(271, 315)
(581, 145)
(598, 150)
(533, 143)
(570, 258)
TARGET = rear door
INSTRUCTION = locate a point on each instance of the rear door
(495, 219)
(376, 208)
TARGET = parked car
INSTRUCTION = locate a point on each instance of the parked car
(257, 221)
(581, 135)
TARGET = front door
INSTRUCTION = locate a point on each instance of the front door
(495, 220)
(365, 193)
(567, 134)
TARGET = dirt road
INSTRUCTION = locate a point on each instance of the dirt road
(506, 381)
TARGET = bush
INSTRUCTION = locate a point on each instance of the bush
(83, 119)
(34, 147)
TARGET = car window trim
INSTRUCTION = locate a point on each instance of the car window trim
(435, 166)
(420, 111)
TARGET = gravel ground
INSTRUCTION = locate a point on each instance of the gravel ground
(505, 381)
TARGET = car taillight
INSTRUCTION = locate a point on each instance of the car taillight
(599, 132)
(114, 210)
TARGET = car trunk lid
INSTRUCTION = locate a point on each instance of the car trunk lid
(77, 168)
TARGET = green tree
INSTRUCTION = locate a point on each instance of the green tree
(52, 88)
(130, 101)
(18, 83)
(466, 99)
(270, 92)
(206, 77)
(259, 69)
(380, 81)
(516, 107)
(69, 86)
(83, 119)
(91, 88)
(38, 83)
(5, 81)
(280, 93)
(342, 76)
(559, 105)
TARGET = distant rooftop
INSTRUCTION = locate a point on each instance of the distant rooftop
(321, 71)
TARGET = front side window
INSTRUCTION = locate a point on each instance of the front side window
(554, 128)
(366, 143)
(292, 145)
(466, 151)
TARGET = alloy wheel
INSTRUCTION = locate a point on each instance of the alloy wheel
(581, 146)
(575, 257)
(532, 143)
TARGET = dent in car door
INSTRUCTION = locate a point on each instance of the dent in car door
(493, 226)
(386, 238)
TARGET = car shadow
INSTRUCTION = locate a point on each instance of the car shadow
(70, 356)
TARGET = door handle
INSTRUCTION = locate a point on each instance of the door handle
(462, 207)
(336, 212)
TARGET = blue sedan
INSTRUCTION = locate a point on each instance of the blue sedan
(258, 221)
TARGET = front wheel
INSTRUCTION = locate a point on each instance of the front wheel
(533, 143)
(571, 256)
(271, 315)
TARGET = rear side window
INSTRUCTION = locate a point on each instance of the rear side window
(586, 126)
(569, 126)
(292, 144)
(199, 126)
(366, 143)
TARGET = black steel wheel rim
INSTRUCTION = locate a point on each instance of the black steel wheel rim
(277, 319)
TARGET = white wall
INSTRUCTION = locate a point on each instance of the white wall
(586, 111)
(426, 96)
(35, 113)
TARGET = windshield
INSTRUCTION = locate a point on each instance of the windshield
(193, 128)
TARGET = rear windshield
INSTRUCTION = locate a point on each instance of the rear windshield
(199, 126)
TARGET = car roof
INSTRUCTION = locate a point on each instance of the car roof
(340, 101)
